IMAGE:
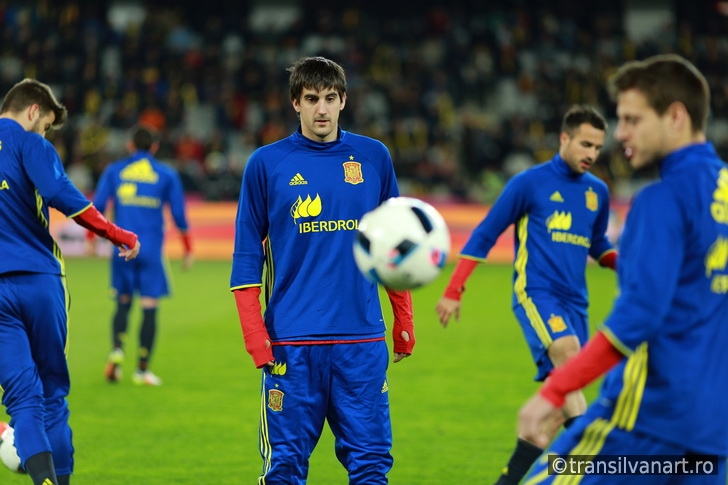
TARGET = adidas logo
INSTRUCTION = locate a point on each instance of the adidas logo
(556, 197)
(298, 180)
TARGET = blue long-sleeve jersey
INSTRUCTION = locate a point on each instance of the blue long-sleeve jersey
(561, 218)
(671, 316)
(32, 179)
(305, 199)
(140, 186)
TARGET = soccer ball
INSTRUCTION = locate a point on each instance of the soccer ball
(8, 453)
(402, 244)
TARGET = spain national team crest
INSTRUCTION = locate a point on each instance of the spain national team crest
(275, 400)
(352, 172)
(592, 200)
(557, 323)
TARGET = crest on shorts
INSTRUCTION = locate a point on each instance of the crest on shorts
(352, 172)
(557, 323)
(275, 400)
(592, 200)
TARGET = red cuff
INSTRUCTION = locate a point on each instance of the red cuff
(401, 301)
(609, 260)
(462, 272)
(595, 359)
(186, 242)
(93, 220)
(251, 321)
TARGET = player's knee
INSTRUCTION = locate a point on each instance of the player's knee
(563, 349)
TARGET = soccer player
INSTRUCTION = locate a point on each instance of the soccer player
(34, 298)
(140, 187)
(560, 212)
(321, 342)
(666, 335)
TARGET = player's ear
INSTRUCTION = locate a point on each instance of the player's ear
(343, 101)
(33, 110)
(679, 116)
(564, 138)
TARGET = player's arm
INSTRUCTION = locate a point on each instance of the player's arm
(596, 358)
(602, 250)
(247, 266)
(449, 304)
(188, 257)
(94, 221)
(255, 334)
(609, 260)
(507, 209)
(403, 329)
(45, 169)
(177, 206)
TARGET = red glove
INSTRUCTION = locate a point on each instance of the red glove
(94, 221)
(257, 341)
(403, 321)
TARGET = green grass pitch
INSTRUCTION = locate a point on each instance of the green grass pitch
(454, 402)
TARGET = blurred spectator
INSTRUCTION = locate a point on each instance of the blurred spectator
(459, 94)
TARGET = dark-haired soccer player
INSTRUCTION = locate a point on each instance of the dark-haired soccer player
(560, 212)
(140, 187)
(666, 337)
(34, 299)
(321, 343)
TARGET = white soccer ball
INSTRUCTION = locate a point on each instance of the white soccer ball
(8, 453)
(402, 244)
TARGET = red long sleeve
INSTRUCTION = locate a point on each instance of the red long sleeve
(609, 260)
(460, 275)
(403, 320)
(255, 334)
(94, 221)
(596, 358)
(186, 242)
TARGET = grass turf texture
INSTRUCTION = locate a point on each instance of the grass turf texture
(453, 402)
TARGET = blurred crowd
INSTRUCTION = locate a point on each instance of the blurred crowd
(465, 94)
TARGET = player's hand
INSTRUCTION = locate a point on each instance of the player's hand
(446, 308)
(536, 421)
(127, 253)
(258, 346)
(187, 262)
(270, 363)
(401, 355)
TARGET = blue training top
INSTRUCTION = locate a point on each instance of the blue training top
(140, 186)
(561, 218)
(32, 179)
(671, 316)
(305, 199)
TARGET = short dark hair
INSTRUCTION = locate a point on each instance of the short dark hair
(578, 114)
(143, 137)
(316, 73)
(29, 92)
(664, 79)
